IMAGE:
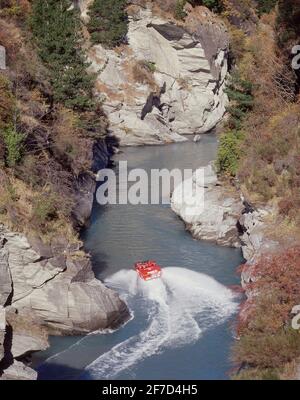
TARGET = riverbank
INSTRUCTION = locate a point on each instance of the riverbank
(49, 287)
(267, 276)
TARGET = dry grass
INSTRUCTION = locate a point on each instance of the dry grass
(143, 74)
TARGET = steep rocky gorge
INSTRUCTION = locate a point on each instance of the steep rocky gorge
(50, 288)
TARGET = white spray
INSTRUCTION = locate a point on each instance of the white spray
(180, 306)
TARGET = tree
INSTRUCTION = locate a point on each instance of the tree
(179, 12)
(57, 30)
(108, 22)
(239, 92)
(265, 6)
(14, 145)
(229, 152)
(214, 5)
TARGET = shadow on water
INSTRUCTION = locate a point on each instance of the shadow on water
(59, 372)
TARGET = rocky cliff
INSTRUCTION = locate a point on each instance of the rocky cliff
(48, 289)
(168, 81)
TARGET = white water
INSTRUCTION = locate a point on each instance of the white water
(179, 307)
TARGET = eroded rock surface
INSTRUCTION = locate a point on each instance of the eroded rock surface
(2, 57)
(213, 215)
(185, 94)
(57, 283)
(47, 289)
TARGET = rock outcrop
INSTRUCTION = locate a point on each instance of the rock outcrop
(2, 58)
(215, 215)
(253, 238)
(47, 289)
(98, 156)
(19, 371)
(2, 331)
(255, 241)
(57, 284)
(166, 82)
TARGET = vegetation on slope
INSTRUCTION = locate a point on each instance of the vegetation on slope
(49, 120)
(57, 31)
(260, 148)
(268, 344)
(264, 107)
(108, 22)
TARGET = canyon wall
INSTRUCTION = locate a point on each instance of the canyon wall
(168, 81)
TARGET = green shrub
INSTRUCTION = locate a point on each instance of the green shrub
(143, 73)
(150, 66)
(7, 102)
(179, 12)
(265, 6)
(44, 209)
(268, 374)
(108, 22)
(229, 152)
(58, 34)
(239, 92)
(214, 5)
(13, 145)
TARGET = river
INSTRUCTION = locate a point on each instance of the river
(181, 326)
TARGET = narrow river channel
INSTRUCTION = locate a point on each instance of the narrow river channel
(182, 324)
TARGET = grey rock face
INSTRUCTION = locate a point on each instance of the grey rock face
(2, 58)
(62, 291)
(84, 198)
(28, 333)
(5, 291)
(2, 331)
(187, 88)
(214, 214)
(254, 241)
(5, 278)
(51, 290)
(99, 155)
(19, 371)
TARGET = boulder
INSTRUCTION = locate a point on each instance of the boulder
(212, 215)
(18, 371)
(62, 291)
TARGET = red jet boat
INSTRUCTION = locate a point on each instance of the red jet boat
(148, 270)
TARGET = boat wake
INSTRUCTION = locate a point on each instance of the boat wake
(179, 307)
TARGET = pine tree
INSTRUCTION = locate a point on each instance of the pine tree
(240, 95)
(265, 6)
(57, 30)
(108, 22)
